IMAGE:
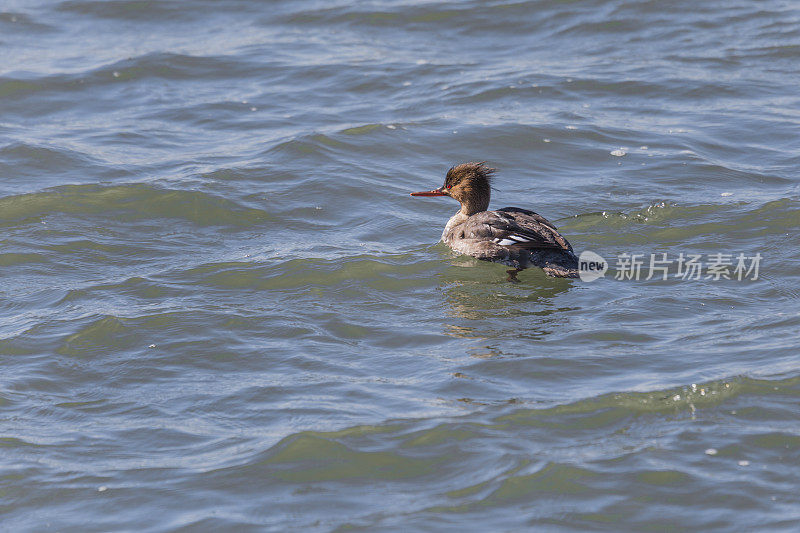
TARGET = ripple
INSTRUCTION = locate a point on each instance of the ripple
(34, 160)
(156, 65)
(140, 10)
(133, 201)
(612, 448)
(21, 22)
(216, 291)
(9, 259)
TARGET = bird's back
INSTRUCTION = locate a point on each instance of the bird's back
(516, 237)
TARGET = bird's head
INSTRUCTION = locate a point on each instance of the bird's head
(469, 183)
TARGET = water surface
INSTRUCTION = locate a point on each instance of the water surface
(220, 309)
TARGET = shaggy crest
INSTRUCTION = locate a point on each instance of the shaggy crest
(474, 170)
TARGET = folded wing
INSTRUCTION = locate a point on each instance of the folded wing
(515, 228)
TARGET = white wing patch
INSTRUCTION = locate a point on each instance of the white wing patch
(511, 239)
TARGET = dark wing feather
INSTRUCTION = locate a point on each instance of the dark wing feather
(515, 228)
(536, 216)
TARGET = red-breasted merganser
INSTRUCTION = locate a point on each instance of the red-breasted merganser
(513, 236)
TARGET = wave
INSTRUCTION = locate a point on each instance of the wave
(155, 65)
(171, 10)
(133, 201)
(595, 457)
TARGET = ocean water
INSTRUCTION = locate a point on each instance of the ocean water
(221, 310)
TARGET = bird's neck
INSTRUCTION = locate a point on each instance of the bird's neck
(474, 203)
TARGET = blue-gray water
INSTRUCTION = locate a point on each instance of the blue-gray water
(221, 310)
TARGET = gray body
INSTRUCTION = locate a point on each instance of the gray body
(512, 236)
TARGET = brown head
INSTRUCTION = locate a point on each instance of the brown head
(469, 184)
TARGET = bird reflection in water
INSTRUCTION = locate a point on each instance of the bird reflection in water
(496, 310)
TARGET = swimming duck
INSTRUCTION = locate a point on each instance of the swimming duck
(512, 236)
